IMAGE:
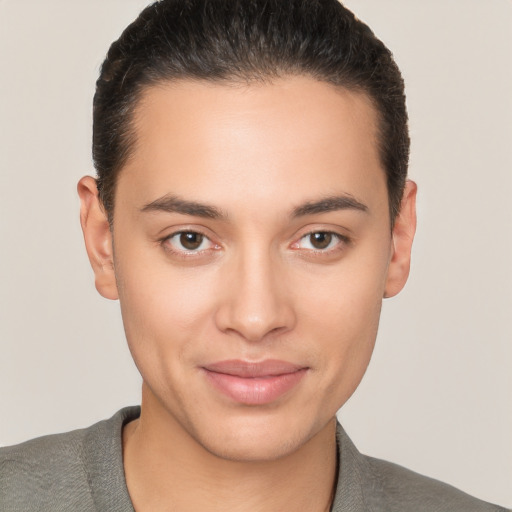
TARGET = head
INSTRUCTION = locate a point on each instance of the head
(251, 212)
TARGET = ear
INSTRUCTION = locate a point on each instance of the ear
(98, 237)
(402, 237)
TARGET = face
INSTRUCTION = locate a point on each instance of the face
(252, 249)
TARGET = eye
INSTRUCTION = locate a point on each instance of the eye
(320, 241)
(189, 241)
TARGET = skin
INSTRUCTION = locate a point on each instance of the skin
(257, 288)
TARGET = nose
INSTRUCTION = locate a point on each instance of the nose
(255, 301)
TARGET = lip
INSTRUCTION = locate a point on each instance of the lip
(253, 383)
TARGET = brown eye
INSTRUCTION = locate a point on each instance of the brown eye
(191, 241)
(188, 242)
(320, 240)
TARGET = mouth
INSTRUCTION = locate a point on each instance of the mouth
(252, 383)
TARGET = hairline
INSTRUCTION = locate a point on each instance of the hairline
(136, 99)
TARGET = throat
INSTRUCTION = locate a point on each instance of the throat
(161, 475)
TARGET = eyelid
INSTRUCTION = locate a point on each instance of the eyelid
(187, 253)
(204, 240)
(343, 241)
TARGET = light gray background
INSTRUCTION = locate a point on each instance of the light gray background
(437, 396)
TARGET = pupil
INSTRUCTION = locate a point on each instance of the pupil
(321, 240)
(191, 240)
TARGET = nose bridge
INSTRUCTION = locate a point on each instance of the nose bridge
(256, 303)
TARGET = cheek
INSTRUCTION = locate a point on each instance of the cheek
(344, 321)
(347, 298)
(164, 308)
(345, 346)
(342, 316)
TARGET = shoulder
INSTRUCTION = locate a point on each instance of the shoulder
(54, 472)
(39, 473)
(403, 489)
(379, 486)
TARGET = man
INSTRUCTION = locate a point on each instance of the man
(251, 212)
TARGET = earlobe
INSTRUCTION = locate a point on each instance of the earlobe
(97, 237)
(403, 235)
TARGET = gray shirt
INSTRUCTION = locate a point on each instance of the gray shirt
(82, 471)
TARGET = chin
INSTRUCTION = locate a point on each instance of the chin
(251, 448)
(256, 438)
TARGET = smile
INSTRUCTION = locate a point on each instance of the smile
(254, 383)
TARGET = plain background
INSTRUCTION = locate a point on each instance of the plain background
(437, 396)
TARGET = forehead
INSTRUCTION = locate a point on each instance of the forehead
(229, 140)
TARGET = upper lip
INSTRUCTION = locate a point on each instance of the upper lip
(249, 369)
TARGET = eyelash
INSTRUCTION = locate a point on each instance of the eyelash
(341, 241)
(184, 253)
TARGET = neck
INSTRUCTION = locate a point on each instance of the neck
(166, 468)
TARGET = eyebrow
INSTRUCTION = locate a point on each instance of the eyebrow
(174, 204)
(329, 204)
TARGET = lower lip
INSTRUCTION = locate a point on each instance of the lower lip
(257, 390)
